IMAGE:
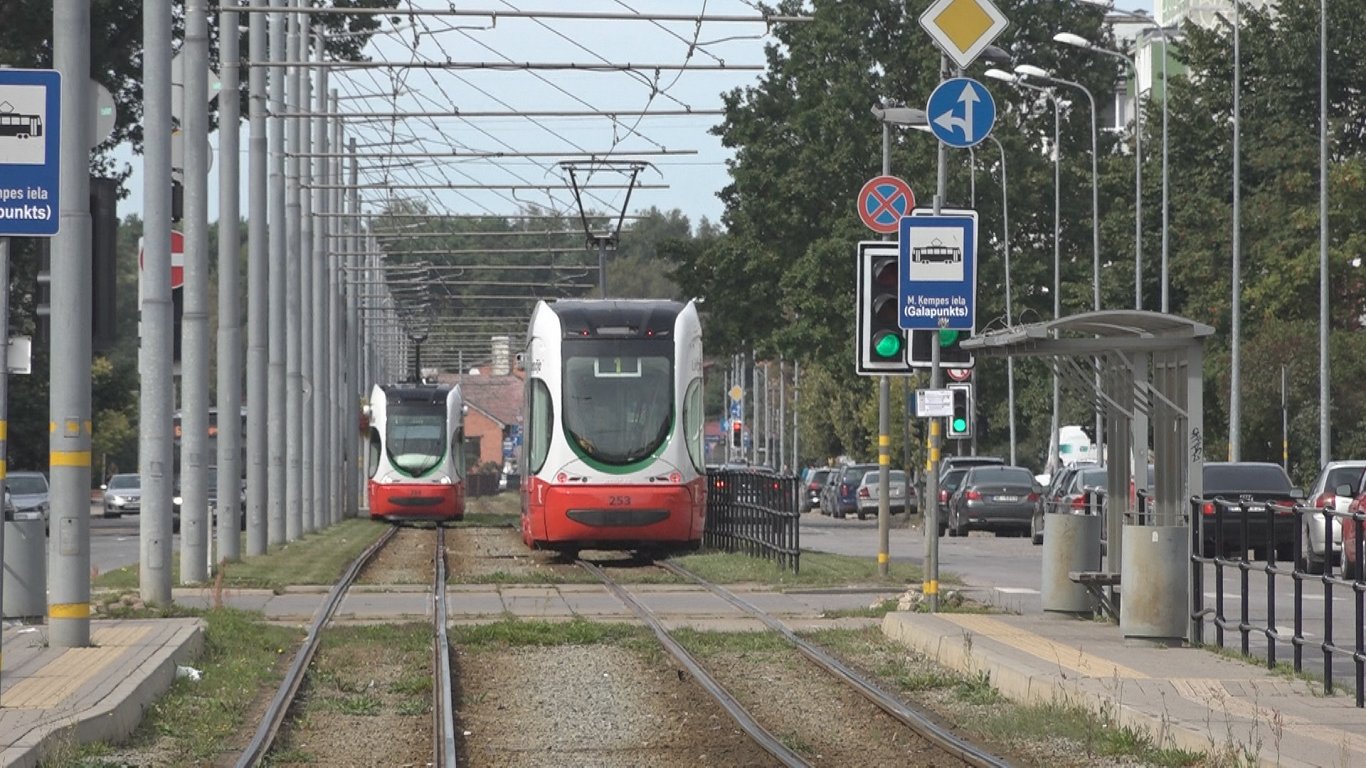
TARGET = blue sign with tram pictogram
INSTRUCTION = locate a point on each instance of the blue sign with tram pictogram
(938, 265)
(30, 144)
(883, 201)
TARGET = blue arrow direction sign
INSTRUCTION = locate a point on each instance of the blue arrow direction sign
(961, 112)
(938, 260)
(30, 140)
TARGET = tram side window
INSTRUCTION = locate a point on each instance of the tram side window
(374, 451)
(538, 438)
(693, 421)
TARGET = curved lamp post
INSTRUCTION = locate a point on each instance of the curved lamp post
(1016, 80)
(1067, 38)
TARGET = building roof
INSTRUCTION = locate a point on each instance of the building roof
(498, 397)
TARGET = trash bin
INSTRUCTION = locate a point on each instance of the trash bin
(1070, 543)
(25, 591)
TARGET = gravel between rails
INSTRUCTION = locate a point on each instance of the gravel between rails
(598, 705)
(406, 559)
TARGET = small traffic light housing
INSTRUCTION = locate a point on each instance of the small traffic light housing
(737, 434)
(881, 341)
(960, 423)
(951, 352)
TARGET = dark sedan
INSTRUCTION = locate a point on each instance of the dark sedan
(998, 499)
(814, 482)
(1265, 491)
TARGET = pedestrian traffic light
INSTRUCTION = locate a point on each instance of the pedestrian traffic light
(737, 434)
(960, 423)
(951, 352)
(881, 342)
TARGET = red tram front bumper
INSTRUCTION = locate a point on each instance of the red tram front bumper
(416, 502)
(614, 516)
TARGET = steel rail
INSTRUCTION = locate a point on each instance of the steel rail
(274, 717)
(919, 722)
(443, 705)
(733, 708)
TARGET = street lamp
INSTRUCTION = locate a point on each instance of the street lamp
(1067, 38)
(1016, 80)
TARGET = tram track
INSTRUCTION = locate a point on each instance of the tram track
(444, 750)
(922, 724)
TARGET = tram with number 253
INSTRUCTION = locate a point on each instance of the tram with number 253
(613, 454)
(416, 453)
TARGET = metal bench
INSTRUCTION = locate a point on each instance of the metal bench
(1095, 583)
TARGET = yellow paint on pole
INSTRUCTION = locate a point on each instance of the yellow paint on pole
(883, 441)
(69, 458)
(69, 611)
(4, 429)
(883, 558)
(929, 587)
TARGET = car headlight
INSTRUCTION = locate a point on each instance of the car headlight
(176, 500)
(119, 501)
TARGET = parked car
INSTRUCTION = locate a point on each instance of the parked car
(212, 493)
(954, 462)
(28, 495)
(948, 485)
(1324, 494)
(815, 481)
(1066, 495)
(844, 496)
(869, 493)
(123, 495)
(993, 498)
(1258, 485)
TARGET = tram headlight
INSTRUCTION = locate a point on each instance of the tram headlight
(675, 477)
(443, 480)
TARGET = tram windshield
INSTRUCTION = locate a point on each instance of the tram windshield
(415, 436)
(618, 398)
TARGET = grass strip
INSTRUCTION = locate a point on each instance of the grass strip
(198, 719)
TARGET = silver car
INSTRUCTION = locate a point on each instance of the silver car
(868, 492)
(28, 495)
(1323, 493)
(123, 495)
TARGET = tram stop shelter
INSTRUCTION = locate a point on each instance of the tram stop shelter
(1142, 371)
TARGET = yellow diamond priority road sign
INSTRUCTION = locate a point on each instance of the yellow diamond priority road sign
(963, 28)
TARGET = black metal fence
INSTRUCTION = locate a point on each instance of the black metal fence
(755, 512)
(1223, 533)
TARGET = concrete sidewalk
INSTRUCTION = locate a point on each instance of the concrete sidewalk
(1189, 698)
(51, 696)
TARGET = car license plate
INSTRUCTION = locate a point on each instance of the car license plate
(1007, 498)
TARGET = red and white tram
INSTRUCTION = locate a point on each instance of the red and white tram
(416, 453)
(613, 453)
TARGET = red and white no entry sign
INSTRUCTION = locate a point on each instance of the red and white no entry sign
(960, 374)
(883, 201)
(177, 258)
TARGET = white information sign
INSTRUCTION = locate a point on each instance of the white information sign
(933, 403)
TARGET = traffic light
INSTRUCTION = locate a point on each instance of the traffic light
(951, 352)
(960, 423)
(881, 342)
(737, 434)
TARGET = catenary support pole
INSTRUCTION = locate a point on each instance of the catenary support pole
(1235, 400)
(352, 393)
(1325, 390)
(279, 416)
(4, 398)
(322, 394)
(230, 469)
(293, 377)
(157, 387)
(258, 300)
(304, 255)
(194, 329)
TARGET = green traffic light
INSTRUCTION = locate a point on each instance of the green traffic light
(960, 424)
(887, 344)
(947, 337)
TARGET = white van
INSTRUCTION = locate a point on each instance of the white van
(1075, 446)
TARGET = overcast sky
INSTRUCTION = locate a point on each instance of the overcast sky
(692, 180)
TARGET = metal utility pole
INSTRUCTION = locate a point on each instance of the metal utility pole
(1235, 400)
(293, 354)
(258, 260)
(322, 393)
(230, 469)
(4, 394)
(308, 391)
(157, 385)
(279, 258)
(338, 353)
(1325, 391)
(884, 418)
(352, 393)
(194, 379)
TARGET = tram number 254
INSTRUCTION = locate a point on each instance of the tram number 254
(618, 501)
